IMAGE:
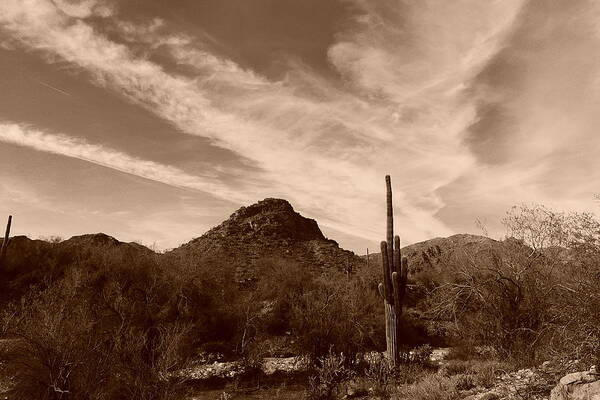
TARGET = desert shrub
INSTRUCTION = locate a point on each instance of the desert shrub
(568, 245)
(421, 354)
(317, 312)
(328, 373)
(314, 313)
(280, 283)
(532, 296)
(482, 372)
(453, 367)
(105, 330)
(29, 263)
(338, 313)
(502, 304)
(410, 373)
(486, 373)
(380, 374)
(464, 382)
(51, 332)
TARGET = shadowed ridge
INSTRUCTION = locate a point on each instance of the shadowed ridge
(101, 240)
(270, 228)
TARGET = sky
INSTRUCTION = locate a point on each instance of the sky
(153, 121)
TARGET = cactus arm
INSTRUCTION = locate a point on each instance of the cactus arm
(397, 254)
(402, 282)
(404, 270)
(381, 290)
(387, 275)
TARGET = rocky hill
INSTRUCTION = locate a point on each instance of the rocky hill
(267, 229)
(37, 262)
(23, 250)
(433, 254)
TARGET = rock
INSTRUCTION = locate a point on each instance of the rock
(578, 386)
(354, 389)
(546, 365)
(439, 354)
(530, 384)
(272, 365)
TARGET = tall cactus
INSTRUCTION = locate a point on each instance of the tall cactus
(5, 241)
(393, 287)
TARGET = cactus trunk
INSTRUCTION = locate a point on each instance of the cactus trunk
(393, 287)
(5, 241)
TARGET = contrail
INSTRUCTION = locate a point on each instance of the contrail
(54, 88)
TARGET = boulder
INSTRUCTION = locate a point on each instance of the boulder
(578, 386)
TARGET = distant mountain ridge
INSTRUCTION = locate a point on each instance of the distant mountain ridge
(431, 254)
(268, 229)
(26, 246)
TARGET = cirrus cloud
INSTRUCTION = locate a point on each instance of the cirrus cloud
(421, 96)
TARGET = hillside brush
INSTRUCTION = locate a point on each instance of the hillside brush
(393, 287)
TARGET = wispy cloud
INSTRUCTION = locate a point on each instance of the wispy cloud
(110, 158)
(457, 100)
(84, 8)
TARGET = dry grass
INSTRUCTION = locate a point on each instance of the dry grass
(485, 371)
(432, 387)
(453, 378)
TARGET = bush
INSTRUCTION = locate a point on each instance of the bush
(412, 372)
(337, 314)
(486, 373)
(421, 354)
(107, 333)
(533, 296)
(329, 372)
(380, 374)
(482, 373)
(464, 382)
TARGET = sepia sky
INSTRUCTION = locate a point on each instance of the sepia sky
(153, 120)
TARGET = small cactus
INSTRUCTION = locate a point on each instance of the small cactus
(5, 241)
(393, 287)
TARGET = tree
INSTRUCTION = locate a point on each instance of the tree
(533, 295)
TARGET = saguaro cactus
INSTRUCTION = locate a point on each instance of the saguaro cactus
(393, 287)
(5, 241)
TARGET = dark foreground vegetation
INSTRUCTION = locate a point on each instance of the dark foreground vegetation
(95, 319)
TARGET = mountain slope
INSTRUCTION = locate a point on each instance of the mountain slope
(37, 262)
(433, 254)
(267, 229)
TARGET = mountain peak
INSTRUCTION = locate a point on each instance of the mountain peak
(270, 218)
(95, 239)
(264, 206)
(270, 228)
